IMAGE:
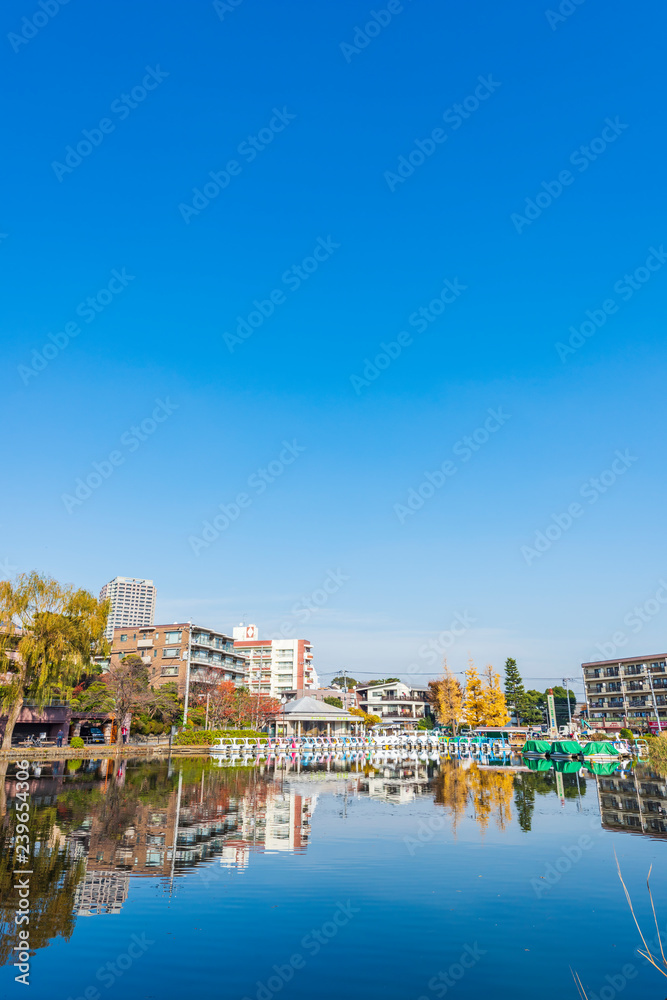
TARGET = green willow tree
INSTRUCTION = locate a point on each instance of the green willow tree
(48, 636)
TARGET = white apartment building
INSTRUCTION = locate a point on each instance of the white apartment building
(276, 666)
(132, 603)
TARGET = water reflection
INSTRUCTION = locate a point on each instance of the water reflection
(94, 824)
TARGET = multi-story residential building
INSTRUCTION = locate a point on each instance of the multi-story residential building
(276, 666)
(132, 603)
(393, 702)
(165, 650)
(628, 692)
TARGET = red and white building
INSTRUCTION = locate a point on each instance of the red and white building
(275, 666)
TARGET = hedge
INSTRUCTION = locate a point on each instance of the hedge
(206, 737)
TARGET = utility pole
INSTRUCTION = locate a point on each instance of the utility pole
(187, 678)
(345, 688)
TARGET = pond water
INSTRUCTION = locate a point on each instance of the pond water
(171, 879)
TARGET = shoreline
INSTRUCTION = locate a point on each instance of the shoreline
(99, 750)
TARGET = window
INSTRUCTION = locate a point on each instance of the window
(123, 638)
(170, 653)
(172, 637)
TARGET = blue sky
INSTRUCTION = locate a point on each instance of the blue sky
(170, 94)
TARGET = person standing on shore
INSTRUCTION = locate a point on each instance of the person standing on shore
(59, 738)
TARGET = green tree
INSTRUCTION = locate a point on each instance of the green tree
(534, 711)
(343, 681)
(95, 698)
(50, 634)
(336, 702)
(515, 693)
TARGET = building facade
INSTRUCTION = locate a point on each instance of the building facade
(628, 692)
(393, 702)
(165, 650)
(132, 603)
(276, 666)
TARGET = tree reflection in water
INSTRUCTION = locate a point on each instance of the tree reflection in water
(94, 824)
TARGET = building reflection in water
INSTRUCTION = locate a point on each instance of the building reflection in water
(634, 801)
(94, 824)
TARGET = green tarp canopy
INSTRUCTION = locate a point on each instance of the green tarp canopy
(537, 763)
(536, 746)
(607, 768)
(566, 746)
(602, 747)
(568, 766)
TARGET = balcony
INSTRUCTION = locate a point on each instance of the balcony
(144, 643)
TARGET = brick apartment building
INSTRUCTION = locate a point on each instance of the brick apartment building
(164, 649)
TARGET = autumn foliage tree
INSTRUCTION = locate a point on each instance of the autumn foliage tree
(484, 703)
(495, 706)
(473, 705)
(238, 706)
(446, 697)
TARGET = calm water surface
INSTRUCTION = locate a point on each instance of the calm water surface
(178, 879)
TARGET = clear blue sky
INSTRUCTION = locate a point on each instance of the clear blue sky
(169, 93)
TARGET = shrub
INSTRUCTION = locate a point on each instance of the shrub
(626, 734)
(74, 765)
(207, 737)
(76, 742)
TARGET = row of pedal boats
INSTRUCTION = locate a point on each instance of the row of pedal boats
(600, 751)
